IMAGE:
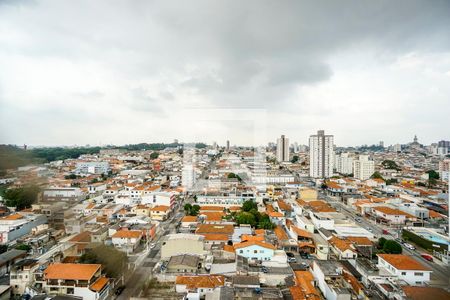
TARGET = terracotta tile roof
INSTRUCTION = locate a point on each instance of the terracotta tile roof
(304, 289)
(247, 237)
(212, 228)
(435, 215)
(341, 244)
(201, 281)
(213, 215)
(228, 248)
(391, 211)
(425, 292)
(215, 237)
(260, 232)
(128, 234)
(83, 237)
(403, 262)
(71, 271)
(235, 208)
(360, 240)
(283, 205)
(281, 234)
(251, 243)
(12, 217)
(189, 219)
(211, 208)
(160, 208)
(301, 232)
(99, 284)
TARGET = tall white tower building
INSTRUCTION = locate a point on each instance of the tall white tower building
(344, 163)
(321, 155)
(363, 168)
(283, 149)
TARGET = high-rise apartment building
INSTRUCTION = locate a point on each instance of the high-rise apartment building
(228, 145)
(344, 163)
(321, 155)
(283, 149)
(363, 168)
(444, 169)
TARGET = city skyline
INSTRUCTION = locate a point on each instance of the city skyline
(70, 75)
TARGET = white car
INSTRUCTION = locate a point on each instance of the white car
(152, 245)
(409, 246)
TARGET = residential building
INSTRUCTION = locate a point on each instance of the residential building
(444, 169)
(126, 240)
(363, 168)
(282, 149)
(92, 167)
(321, 155)
(405, 267)
(159, 212)
(344, 163)
(80, 280)
(255, 250)
(62, 194)
(201, 284)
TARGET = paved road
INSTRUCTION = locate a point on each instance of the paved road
(147, 259)
(440, 272)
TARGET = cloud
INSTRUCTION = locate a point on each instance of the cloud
(307, 63)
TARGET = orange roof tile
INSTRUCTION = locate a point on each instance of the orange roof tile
(128, 234)
(425, 292)
(213, 228)
(301, 232)
(251, 243)
(280, 233)
(71, 271)
(99, 284)
(12, 217)
(215, 237)
(189, 219)
(403, 262)
(160, 208)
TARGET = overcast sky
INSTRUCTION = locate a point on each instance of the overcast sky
(100, 72)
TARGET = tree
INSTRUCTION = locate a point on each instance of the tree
(381, 242)
(249, 205)
(376, 175)
(392, 247)
(195, 210)
(24, 247)
(294, 159)
(21, 198)
(187, 207)
(433, 174)
(154, 155)
(246, 218)
(71, 176)
(3, 248)
(265, 223)
(391, 181)
(113, 260)
(232, 175)
(390, 164)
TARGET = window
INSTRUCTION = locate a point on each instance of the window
(418, 274)
(241, 251)
(255, 251)
(403, 273)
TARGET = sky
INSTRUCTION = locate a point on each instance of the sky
(121, 72)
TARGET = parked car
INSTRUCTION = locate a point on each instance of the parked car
(119, 290)
(385, 231)
(358, 220)
(290, 254)
(427, 256)
(304, 255)
(152, 245)
(292, 259)
(305, 265)
(264, 269)
(409, 246)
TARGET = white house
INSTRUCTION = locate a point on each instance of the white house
(126, 240)
(405, 267)
(255, 250)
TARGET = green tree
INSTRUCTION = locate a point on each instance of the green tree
(154, 155)
(187, 208)
(376, 175)
(113, 260)
(392, 247)
(381, 242)
(24, 247)
(22, 197)
(390, 164)
(249, 205)
(246, 218)
(232, 175)
(433, 174)
(265, 223)
(294, 159)
(3, 248)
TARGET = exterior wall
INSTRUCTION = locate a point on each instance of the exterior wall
(412, 277)
(261, 253)
(321, 155)
(363, 168)
(25, 228)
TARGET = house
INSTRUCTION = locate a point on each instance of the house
(184, 263)
(141, 210)
(126, 240)
(159, 212)
(405, 267)
(8, 258)
(16, 225)
(182, 243)
(81, 280)
(425, 292)
(255, 250)
(390, 215)
(21, 275)
(343, 248)
(329, 278)
(222, 229)
(201, 284)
